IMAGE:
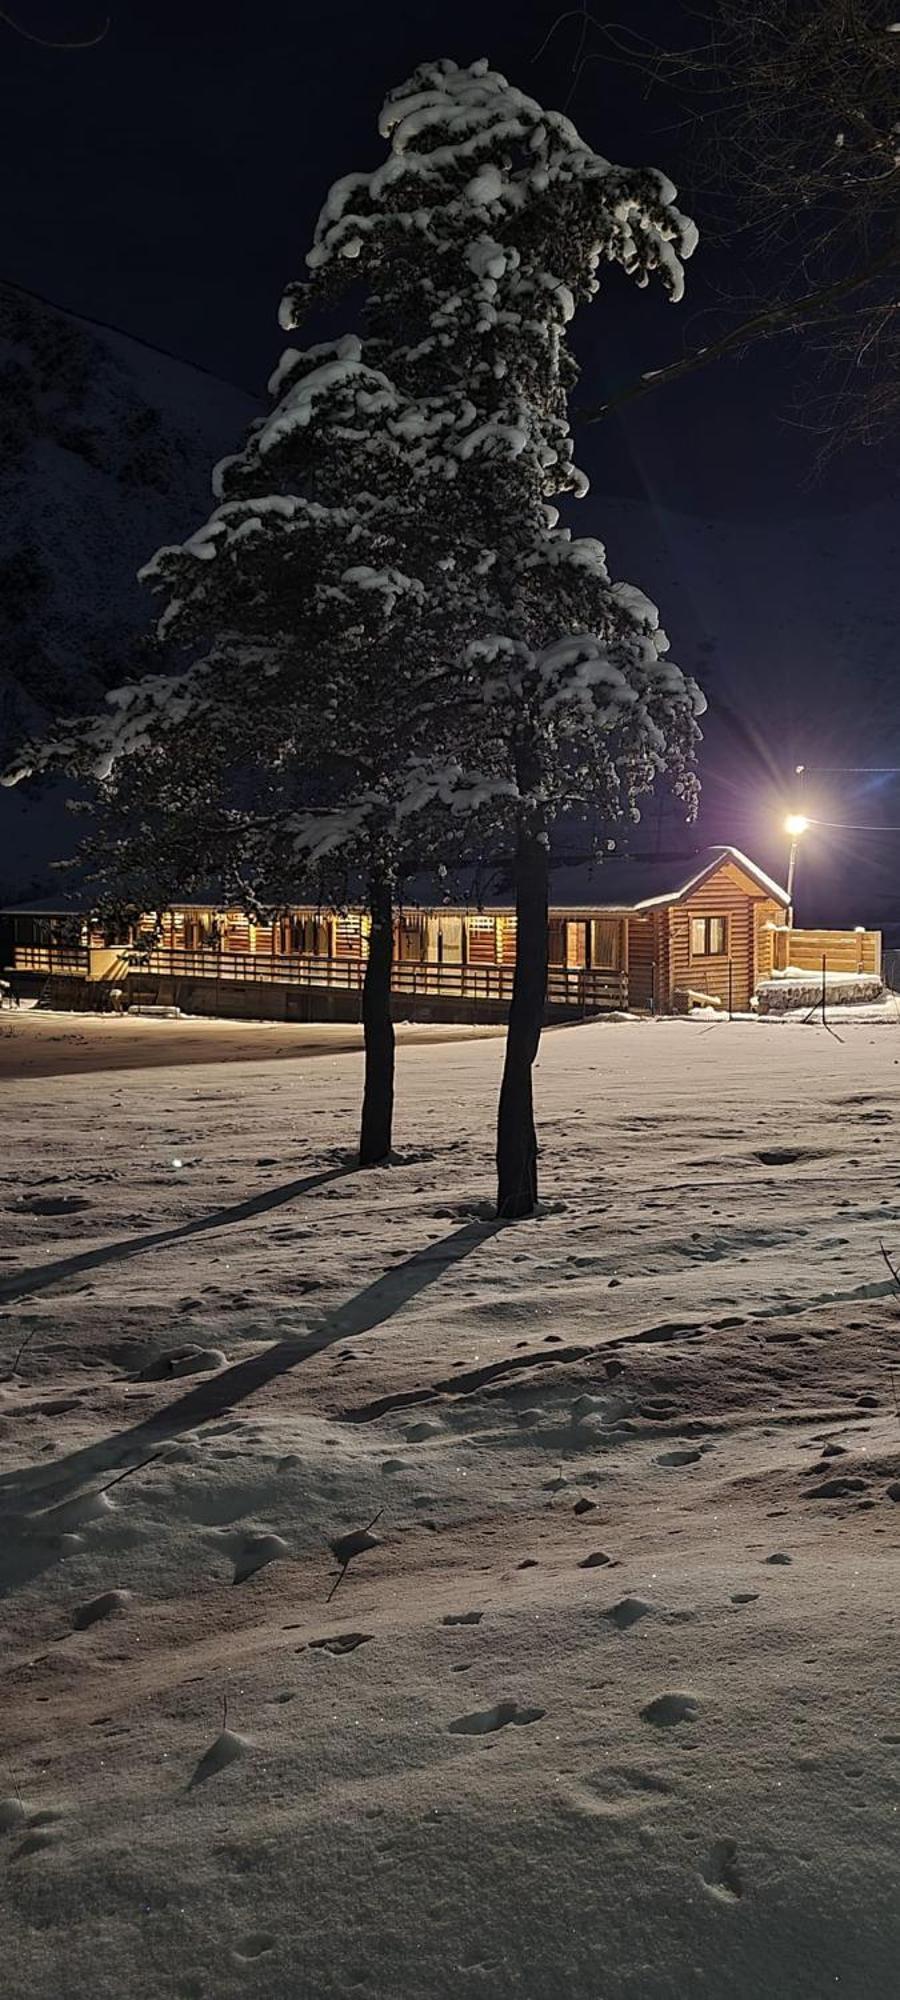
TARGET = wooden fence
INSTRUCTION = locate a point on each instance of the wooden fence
(843, 951)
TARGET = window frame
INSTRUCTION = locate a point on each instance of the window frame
(715, 917)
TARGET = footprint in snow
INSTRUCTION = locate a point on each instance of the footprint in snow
(417, 1433)
(686, 1457)
(54, 1204)
(588, 1406)
(835, 1489)
(341, 1642)
(100, 1607)
(181, 1454)
(41, 1829)
(34, 1843)
(629, 1611)
(12, 1815)
(463, 1618)
(255, 1945)
(669, 1709)
(484, 1721)
(720, 1872)
(789, 1156)
(625, 1792)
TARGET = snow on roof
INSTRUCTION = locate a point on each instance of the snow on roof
(613, 883)
(61, 905)
(715, 857)
(772, 888)
(616, 883)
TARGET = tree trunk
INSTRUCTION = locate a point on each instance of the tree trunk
(378, 1032)
(517, 1188)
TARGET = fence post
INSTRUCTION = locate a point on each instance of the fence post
(824, 986)
(730, 990)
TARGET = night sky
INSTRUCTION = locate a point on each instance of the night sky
(167, 180)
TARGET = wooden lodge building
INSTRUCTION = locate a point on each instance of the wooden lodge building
(624, 933)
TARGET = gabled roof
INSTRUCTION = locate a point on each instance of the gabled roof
(717, 855)
(648, 884)
(60, 905)
(611, 883)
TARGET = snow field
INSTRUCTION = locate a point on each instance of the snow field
(609, 1706)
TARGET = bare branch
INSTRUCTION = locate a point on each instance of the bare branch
(793, 316)
(794, 113)
(45, 42)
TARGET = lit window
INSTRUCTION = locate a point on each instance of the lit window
(709, 937)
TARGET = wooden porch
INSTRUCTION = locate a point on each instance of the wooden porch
(212, 975)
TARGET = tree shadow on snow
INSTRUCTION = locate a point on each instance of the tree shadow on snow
(23, 1284)
(49, 1485)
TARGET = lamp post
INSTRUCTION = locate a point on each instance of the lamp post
(795, 826)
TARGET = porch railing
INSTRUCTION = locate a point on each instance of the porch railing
(68, 961)
(570, 987)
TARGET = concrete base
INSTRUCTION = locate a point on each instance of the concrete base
(257, 1001)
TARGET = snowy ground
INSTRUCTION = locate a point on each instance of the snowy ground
(48, 1043)
(610, 1712)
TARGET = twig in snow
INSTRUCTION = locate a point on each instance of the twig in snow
(895, 1274)
(129, 1469)
(20, 1351)
(154, 1455)
(345, 1547)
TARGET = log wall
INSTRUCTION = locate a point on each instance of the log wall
(730, 895)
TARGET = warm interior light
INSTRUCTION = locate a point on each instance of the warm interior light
(795, 824)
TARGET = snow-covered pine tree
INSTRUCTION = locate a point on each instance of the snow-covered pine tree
(315, 606)
(384, 598)
(475, 241)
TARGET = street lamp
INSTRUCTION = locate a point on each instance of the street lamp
(795, 825)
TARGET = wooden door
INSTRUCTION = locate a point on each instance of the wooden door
(576, 943)
(606, 944)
